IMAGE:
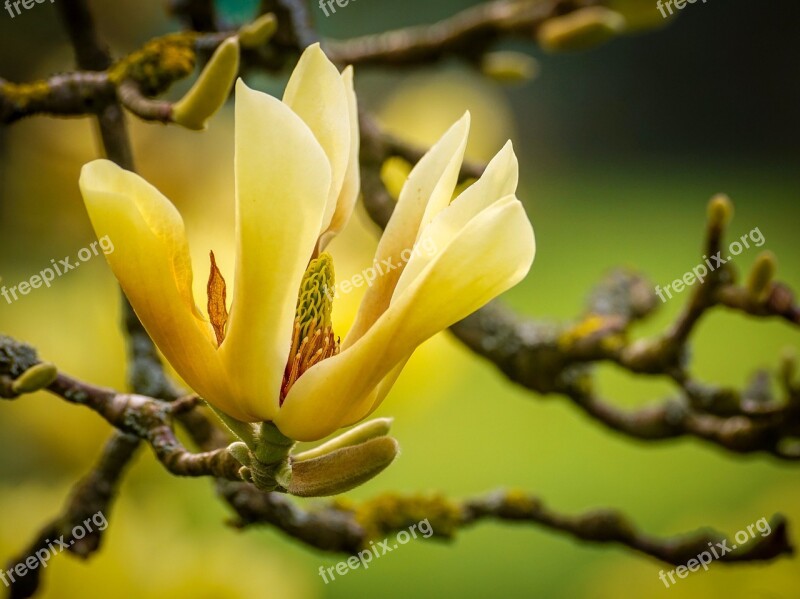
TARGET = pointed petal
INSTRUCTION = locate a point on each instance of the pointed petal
(150, 258)
(498, 181)
(352, 180)
(492, 253)
(282, 183)
(317, 94)
(427, 191)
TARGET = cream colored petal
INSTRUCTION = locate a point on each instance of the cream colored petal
(150, 258)
(282, 183)
(498, 181)
(352, 180)
(317, 93)
(428, 189)
(490, 254)
(360, 410)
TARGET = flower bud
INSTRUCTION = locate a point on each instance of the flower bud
(259, 32)
(355, 436)
(579, 30)
(509, 67)
(211, 89)
(761, 275)
(241, 453)
(342, 469)
(35, 378)
(720, 211)
(641, 14)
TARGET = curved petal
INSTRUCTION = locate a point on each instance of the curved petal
(428, 189)
(282, 183)
(491, 253)
(352, 180)
(498, 181)
(361, 410)
(150, 258)
(317, 94)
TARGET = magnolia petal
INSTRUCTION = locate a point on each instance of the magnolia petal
(317, 94)
(490, 254)
(352, 180)
(360, 410)
(282, 183)
(498, 181)
(427, 190)
(521, 229)
(151, 262)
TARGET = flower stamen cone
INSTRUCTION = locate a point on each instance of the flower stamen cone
(313, 339)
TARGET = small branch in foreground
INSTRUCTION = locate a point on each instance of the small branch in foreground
(149, 419)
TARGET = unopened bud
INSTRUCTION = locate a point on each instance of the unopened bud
(720, 211)
(639, 14)
(211, 89)
(241, 453)
(259, 32)
(509, 67)
(35, 378)
(579, 30)
(761, 275)
(342, 469)
(355, 436)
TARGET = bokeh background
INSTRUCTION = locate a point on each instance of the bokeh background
(620, 148)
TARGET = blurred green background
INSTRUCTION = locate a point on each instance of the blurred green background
(620, 149)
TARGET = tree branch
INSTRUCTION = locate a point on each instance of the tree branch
(468, 34)
(347, 528)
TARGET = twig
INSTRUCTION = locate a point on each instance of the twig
(346, 528)
(468, 34)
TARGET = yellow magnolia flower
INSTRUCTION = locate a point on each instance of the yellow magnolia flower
(274, 357)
